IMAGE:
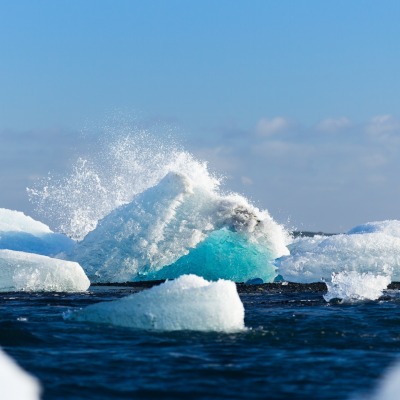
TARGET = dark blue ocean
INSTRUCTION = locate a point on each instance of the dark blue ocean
(297, 347)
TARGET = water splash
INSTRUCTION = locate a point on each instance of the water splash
(123, 165)
(353, 286)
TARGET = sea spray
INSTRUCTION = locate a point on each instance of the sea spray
(122, 166)
(353, 286)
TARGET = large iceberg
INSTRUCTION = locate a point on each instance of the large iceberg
(186, 303)
(22, 233)
(15, 383)
(180, 226)
(370, 248)
(21, 271)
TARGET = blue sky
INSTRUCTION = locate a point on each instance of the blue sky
(295, 101)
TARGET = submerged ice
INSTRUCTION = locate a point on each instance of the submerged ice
(21, 271)
(372, 248)
(186, 303)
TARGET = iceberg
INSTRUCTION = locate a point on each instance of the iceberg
(15, 383)
(20, 232)
(20, 271)
(372, 248)
(186, 303)
(182, 226)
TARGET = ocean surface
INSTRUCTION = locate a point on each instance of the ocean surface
(296, 346)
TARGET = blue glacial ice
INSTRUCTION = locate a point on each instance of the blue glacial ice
(20, 271)
(15, 383)
(182, 225)
(186, 303)
(372, 248)
(22, 233)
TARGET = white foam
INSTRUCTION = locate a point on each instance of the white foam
(353, 286)
(187, 303)
(21, 271)
(15, 383)
(22, 233)
(371, 248)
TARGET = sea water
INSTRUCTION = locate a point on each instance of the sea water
(296, 346)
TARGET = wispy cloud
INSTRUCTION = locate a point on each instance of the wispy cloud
(383, 126)
(333, 124)
(270, 127)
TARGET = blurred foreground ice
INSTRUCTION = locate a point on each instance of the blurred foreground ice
(15, 383)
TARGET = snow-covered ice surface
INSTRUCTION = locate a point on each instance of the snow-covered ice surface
(179, 226)
(15, 383)
(22, 233)
(370, 248)
(186, 303)
(20, 271)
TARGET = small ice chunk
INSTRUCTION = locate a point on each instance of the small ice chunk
(20, 232)
(353, 286)
(21, 271)
(15, 383)
(186, 303)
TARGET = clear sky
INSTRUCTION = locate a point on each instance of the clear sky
(295, 101)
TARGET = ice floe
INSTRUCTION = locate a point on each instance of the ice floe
(20, 271)
(370, 248)
(186, 303)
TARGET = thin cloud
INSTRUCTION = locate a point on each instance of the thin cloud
(333, 124)
(383, 126)
(269, 127)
